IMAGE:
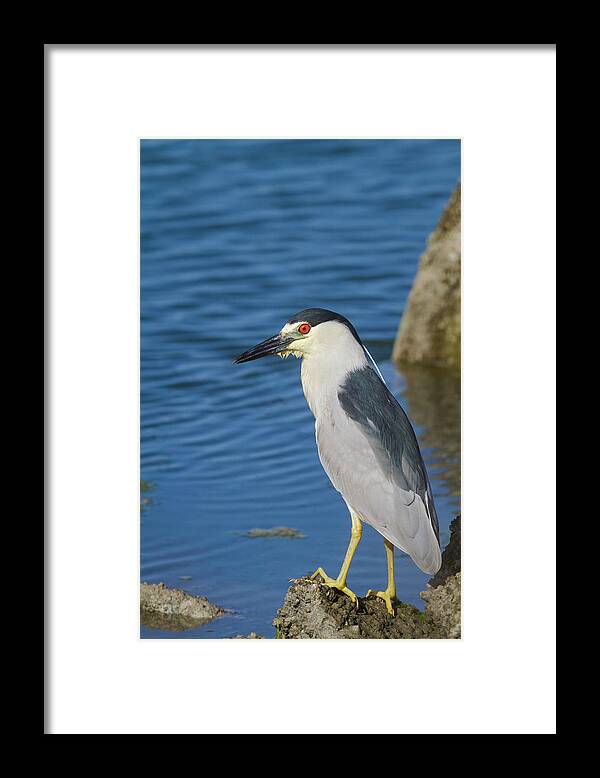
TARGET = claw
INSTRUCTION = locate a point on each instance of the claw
(387, 597)
(334, 583)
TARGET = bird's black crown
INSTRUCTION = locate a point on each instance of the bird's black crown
(316, 316)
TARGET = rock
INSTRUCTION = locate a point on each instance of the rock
(251, 636)
(173, 609)
(442, 604)
(274, 532)
(450, 557)
(442, 596)
(429, 332)
(313, 611)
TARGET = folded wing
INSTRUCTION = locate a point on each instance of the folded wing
(370, 452)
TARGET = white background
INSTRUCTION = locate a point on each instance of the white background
(500, 677)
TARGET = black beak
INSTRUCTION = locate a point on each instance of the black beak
(270, 346)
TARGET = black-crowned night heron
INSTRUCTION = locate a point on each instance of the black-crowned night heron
(366, 443)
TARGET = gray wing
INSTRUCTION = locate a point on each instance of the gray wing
(371, 454)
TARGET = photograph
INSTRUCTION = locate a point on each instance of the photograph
(317, 495)
(300, 305)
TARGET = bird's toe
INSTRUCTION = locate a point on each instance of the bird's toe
(334, 583)
(388, 597)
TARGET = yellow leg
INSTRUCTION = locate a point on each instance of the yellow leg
(390, 593)
(340, 581)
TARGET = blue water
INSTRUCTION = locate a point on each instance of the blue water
(235, 237)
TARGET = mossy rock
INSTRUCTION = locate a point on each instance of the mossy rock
(312, 610)
(430, 331)
(173, 609)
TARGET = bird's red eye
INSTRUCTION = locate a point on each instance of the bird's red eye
(304, 329)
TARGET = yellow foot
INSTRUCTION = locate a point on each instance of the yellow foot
(334, 583)
(387, 597)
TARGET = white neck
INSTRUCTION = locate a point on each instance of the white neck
(325, 369)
